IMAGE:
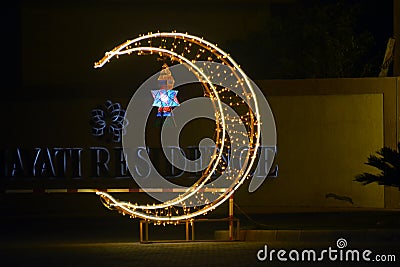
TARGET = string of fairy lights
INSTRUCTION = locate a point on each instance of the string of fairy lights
(237, 123)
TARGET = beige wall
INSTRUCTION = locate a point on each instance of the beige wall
(326, 130)
(322, 144)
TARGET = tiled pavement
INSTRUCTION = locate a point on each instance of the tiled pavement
(98, 241)
(163, 254)
(132, 254)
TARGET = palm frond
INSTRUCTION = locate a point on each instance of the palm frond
(390, 156)
(367, 178)
(387, 160)
(379, 163)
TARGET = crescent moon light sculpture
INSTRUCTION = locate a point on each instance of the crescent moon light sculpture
(237, 124)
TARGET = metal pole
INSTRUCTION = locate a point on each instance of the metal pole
(187, 230)
(231, 217)
(141, 231)
(192, 224)
(146, 227)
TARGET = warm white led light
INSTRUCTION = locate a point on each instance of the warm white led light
(151, 212)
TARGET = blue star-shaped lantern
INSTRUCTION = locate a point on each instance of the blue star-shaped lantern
(165, 98)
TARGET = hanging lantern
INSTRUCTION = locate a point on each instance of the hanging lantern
(165, 98)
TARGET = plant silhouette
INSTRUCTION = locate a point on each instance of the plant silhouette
(387, 160)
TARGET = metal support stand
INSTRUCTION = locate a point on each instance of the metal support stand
(187, 230)
(233, 234)
(231, 217)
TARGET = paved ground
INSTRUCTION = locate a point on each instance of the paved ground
(47, 235)
(113, 241)
(164, 254)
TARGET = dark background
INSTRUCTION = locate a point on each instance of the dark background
(48, 49)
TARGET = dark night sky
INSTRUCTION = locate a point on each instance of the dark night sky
(51, 46)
